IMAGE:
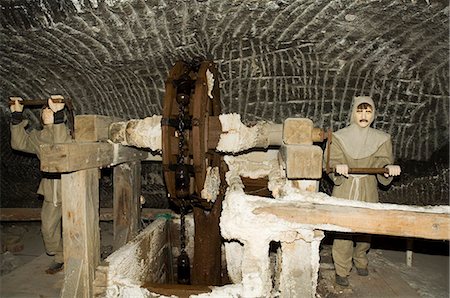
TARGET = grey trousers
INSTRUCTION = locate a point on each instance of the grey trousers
(51, 229)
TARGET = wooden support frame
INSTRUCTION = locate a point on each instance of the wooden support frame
(72, 288)
(79, 164)
(106, 214)
(61, 158)
(391, 220)
(81, 235)
(126, 202)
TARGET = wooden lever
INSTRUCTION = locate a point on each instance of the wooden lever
(36, 102)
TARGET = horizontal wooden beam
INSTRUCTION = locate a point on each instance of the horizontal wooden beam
(61, 158)
(106, 214)
(92, 128)
(391, 220)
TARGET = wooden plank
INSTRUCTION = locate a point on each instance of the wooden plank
(389, 221)
(106, 214)
(20, 214)
(72, 286)
(126, 202)
(383, 281)
(181, 291)
(135, 259)
(71, 157)
(214, 131)
(81, 235)
(92, 128)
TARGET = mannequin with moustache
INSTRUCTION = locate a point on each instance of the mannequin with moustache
(358, 146)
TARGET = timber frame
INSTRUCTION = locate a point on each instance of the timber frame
(79, 165)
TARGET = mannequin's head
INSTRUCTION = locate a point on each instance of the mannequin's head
(363, 111)
(364, 115)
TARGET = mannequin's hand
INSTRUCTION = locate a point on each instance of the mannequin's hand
(393, 170)
(342, 170)
(55, 106)
(17, 106)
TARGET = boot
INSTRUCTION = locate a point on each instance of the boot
(342, 281)
(54, 268)
(362, 271)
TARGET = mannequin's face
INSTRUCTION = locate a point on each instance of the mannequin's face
(364, 116)
(47, 116)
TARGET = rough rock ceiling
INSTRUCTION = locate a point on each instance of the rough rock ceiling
(277, 58)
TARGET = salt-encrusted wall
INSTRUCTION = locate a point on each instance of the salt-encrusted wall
(276, 59)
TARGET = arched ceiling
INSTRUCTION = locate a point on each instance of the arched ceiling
(277, 58)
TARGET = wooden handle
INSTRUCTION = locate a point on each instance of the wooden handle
(36, 102)
(370, 171)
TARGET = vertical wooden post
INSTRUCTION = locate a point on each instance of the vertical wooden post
(126, 202)
(409, 252)
(207, 267)
(80, 208)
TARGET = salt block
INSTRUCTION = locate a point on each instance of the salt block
(298, 131)
(302, 161)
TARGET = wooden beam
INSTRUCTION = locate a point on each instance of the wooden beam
(92, 128)
(106, 214)
(81, 235)
(392, 220)
(71, 157)
(72, 287)
(142, 260)
(126, 202)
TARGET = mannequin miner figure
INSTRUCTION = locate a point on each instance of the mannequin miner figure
(54, 131)
(358, 146)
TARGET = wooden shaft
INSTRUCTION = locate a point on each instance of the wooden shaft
(361, 171)
(395, 220)
(370, 171)
(105, 214)
(36, 102)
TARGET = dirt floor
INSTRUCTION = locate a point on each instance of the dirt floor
(22, 267)
(389, 275)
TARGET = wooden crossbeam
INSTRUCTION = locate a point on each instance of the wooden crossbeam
(106, 214)
(72, 157)
(394, 220)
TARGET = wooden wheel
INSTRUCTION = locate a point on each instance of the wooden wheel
(204, 106)
(201, 107)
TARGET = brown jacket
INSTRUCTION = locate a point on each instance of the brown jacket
(362, 188)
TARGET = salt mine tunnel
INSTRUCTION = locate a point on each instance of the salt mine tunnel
(272, 70)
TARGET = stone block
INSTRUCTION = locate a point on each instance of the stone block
(298, 131)
(302, 161)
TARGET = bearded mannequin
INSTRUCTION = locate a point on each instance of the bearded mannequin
(358, 146)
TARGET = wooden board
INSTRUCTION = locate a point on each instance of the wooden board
(71, 157)
(81, 235)
(181, 291)
(387, 221)
(126, 202)
(72, 286)
(106, 214)
(92, 128)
